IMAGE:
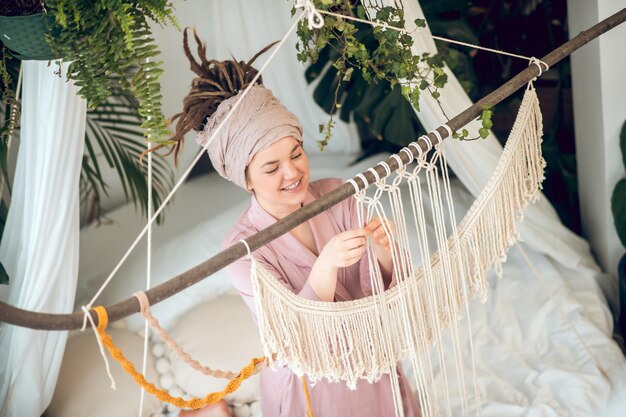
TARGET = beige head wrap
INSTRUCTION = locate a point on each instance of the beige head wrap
(258, 121)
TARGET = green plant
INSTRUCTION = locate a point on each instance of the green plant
(618, 199)
(114, 131)
(373, 76)
(102, 39)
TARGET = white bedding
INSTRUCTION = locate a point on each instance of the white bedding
(529, 361)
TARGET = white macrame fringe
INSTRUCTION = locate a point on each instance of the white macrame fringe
(366, 338)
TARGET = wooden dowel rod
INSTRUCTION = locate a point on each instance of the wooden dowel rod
(44, 321)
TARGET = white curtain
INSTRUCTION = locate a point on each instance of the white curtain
(474, 162)
(40, 244)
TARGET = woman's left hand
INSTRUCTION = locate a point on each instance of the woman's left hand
(376, 227)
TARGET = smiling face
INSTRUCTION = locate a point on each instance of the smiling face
(279, 177)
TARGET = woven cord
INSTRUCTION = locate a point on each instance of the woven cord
(163, 395)
(180, 352)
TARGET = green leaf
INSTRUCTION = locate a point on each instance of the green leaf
(415, 98)
(420, 23)
(618, 207)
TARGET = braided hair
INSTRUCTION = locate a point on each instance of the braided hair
(216, 81)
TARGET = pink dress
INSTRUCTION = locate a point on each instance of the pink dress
(290, 261)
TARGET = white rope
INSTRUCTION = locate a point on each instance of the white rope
(374, 173)
(365, 181)
(352, 182)
(538, 63)
(146, 329)
(399, 160)
(419, 218)
(102, 352)
(188, 170)
(409, 154)
(437, 135)
(385, 25)
(429, 143)
(385, 167)
(448, 129)
(315, 19)
(247, 247)
(418, 149)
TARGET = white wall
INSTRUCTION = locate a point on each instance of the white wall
(599, 88)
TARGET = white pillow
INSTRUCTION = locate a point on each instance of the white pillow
(219, 334)
(83, 387)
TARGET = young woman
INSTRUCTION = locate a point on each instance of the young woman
(260, 149)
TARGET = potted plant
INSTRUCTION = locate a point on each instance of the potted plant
(111, 53)
(107, 43)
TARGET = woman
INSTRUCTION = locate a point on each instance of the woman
(260, 149)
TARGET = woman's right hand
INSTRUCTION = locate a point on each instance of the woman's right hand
(344, 249)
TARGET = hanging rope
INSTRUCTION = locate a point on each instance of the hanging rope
(180, 352)
(385, 25)
(163, 395)
(44, 321)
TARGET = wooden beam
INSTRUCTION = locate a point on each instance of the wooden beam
(44, 321)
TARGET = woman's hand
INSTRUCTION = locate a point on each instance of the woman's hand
(377, 227)
(343, 250)
(382, 245)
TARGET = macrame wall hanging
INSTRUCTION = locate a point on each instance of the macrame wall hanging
(434, 277)
(365, 338)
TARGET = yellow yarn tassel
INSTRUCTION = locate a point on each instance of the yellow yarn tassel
(163, 395)
(308, 397)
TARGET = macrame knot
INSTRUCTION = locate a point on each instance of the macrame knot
(313, 15)
(540, 64)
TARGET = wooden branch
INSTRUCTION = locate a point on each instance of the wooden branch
(44, 321)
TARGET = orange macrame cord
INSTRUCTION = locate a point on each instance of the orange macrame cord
(163, 395)
(309, 409)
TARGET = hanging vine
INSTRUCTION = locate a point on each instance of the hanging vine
(376, 55)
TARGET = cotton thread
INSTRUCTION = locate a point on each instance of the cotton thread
(365, 181)
(163, 395)
(144, 307)
(429, 143)
(437, 135)
(409, 154)
(398, 160)
(439, 38)
(354, 185)
(374, 173)
(448, 129)
(385, 167)
(315, 19)
(247, 247)
(100, 345)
